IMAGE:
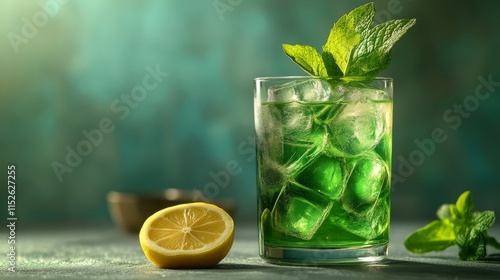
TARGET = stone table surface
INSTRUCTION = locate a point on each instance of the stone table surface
(104, 252)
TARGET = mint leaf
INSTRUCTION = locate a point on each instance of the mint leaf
(464, 204)
(443, 212)
(455, 213)
(483, 220)
(307, 58)
(462, 234)
(473, 249)
(436, 236)
(471, 244)
(345, 36)
(468, 230)
(372, 55)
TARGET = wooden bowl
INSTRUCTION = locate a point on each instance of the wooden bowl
(129, 210)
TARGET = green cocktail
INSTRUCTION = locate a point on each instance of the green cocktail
(323, 168)
(324, 147)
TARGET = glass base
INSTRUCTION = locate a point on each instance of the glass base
(314, 256)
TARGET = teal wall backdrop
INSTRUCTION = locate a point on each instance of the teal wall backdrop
(156, 94)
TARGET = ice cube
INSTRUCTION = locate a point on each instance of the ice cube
(324, 174)
(301, 90)
(358, 91)
(286, 133)
(298, 154)
(369, 175)
(297, 120)
(300, 211)
(368, 224)
(270, 172)
(358, 126)
(303, 139)
(301, 153)
(315, 90)
(271, 178)
(324, 112)
(282, 93)
(270, 132)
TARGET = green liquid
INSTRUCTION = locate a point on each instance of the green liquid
(324, 174)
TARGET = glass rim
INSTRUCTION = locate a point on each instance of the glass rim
(348, 78)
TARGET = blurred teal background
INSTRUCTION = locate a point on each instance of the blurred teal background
(65, 67)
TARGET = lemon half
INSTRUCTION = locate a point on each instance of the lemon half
(192, 235)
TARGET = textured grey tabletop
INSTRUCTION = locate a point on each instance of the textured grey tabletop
(107, 253)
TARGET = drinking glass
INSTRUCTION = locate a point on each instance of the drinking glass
(323, 168)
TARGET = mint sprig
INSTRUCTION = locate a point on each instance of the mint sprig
(353, 47)
(457, 225)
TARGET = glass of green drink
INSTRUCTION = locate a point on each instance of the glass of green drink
(323, 168)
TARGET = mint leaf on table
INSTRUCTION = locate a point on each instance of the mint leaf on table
(483, 220)
(353, 47)
(471, 243)
(435, 236)
(465, 205)
(457, 225)
(444, 212)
